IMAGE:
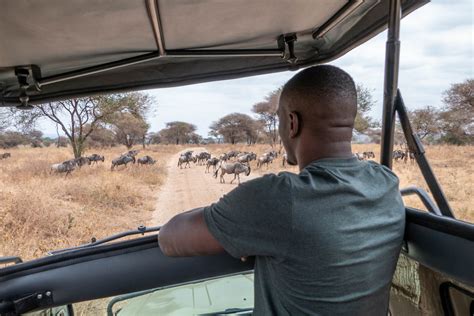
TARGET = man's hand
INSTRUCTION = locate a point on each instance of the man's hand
(187, 234)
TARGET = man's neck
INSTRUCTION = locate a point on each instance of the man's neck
(309, 152)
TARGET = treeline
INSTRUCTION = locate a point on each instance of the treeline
(453, 123)
(121, 119)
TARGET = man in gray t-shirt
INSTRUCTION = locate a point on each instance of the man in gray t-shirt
(326, 240)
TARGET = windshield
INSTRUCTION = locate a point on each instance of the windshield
(79, 170)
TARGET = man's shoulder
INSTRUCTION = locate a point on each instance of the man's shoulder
(271, 182)
(383, 169)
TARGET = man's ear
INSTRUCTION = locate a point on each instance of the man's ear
(295, 123)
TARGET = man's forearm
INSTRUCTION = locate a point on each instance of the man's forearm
(187, 234)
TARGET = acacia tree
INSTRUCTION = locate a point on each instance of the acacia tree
(235, 127)
(178, 132)
(457, 120)
(79, 117)
(425, 121)
(130, 129)
(365, 102)
(267, 113)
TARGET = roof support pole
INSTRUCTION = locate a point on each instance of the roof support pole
(392, 57)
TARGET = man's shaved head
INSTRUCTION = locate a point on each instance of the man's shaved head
(322, 102)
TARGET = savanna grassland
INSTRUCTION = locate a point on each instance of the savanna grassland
(453, 167)
(40, 211)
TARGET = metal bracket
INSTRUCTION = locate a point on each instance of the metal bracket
(27, 77)
(27, 303)
(287, 44)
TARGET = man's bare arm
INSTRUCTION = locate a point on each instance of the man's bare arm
(187, 234)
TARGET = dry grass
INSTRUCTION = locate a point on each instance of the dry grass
(40, 211)
(453, 167)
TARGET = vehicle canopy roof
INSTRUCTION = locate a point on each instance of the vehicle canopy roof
(55, 49)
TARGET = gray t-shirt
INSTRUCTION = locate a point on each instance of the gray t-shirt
(326, 240)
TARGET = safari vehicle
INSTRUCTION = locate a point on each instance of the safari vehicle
(54, 50)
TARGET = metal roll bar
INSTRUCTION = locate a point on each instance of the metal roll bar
(392, 58)
(424, 197)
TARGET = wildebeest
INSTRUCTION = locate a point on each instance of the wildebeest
(235, 168)
(212, 162)
(5, 155)
(185, 159)
(130, 153)
(247, 157)
(203, 157)
(224, 157)
(232, 154)
(82, 161)
(122, 160)
(95, 158)
(188, 153)
(147, 160)
(265, 159)
(368, 154)
(66, 166)
(398, 154)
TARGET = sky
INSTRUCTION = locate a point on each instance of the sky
(437, 50)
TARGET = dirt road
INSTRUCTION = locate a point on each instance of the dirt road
(185, 189)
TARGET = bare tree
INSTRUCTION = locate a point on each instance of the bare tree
(79, 117)
(267, 113)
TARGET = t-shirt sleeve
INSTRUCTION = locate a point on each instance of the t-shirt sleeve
(254, 218)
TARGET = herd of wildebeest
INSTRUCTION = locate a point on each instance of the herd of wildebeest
(233, 162)
(236, 162)
(70, 165)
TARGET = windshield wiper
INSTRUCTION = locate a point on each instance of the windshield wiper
(141, 230)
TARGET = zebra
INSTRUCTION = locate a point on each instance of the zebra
(147, 160)
(122, 160)
(235, 168)
(95, 158)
